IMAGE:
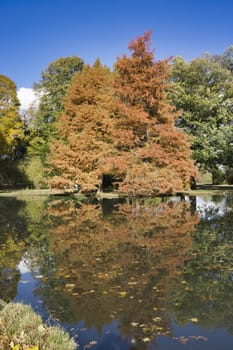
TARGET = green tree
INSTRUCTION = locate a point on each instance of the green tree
(203, 90)
(51, 89)
(11, 126)
(227, 58)
(12, 136)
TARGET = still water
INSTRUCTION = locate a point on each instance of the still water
(123, 274)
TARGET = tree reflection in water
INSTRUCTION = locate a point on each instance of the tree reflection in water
(143, 263)
(120, 265)
(206, 289)
(12, 246)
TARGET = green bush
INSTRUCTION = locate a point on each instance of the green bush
(218, 176)
(34, 170)
(22, 329)
(229, 176)
(12, 175)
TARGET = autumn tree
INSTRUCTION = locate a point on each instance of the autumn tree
(156, 153)
(85, 130)
(120, 127)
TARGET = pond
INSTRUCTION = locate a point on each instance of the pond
(123, 274)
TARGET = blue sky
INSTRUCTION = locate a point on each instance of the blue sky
(33, 33)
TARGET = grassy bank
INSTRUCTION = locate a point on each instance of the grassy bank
(202, 188)
(22, 329)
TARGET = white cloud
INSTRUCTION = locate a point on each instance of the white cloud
(26, 97)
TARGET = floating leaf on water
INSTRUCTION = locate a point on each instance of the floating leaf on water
(183, 340)
(146, 340)
(146, 329)
(89, 345)
(70, 285)
(103, 276)
(24, 281)
(198, 337)
(93, 342)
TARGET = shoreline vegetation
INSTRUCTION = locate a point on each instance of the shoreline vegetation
(21, 328)
(201, 189)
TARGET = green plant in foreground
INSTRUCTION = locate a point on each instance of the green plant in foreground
(22, 329)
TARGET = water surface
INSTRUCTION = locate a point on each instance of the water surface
(124, 274)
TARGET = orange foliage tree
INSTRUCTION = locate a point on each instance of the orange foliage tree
(85, 130)
(121, 125)
(158, 153)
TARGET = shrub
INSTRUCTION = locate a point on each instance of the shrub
(34, 169)
(22, 329)
(218, 176)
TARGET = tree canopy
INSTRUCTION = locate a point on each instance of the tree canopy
(121, 125)
(85, 130)
(11, 126)
(51, 89)
(158, 153)
(203, 90)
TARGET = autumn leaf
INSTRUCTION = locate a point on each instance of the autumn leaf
(146, 340)
(193, 319)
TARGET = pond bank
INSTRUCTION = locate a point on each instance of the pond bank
(21, 328)
(201, 189)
